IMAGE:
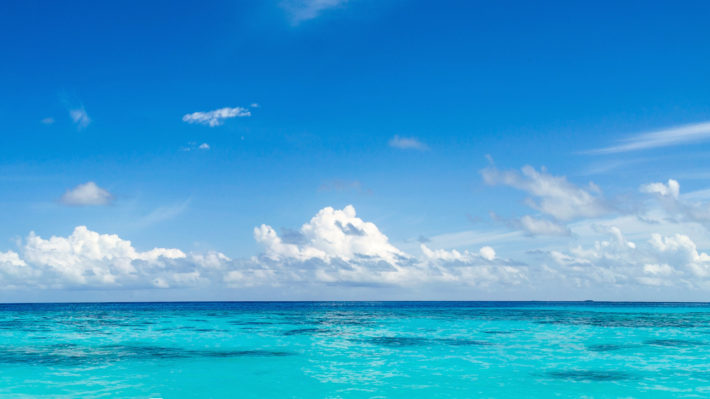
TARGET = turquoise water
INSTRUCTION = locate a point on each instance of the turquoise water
(355, 350)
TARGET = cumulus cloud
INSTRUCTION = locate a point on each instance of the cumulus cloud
(407, 143)
(87, 259)
(678, 208)
(660, 261)
(83, 258)
(87, 194)
(487, 253)
(332, 234)
(680, 251)
(304, 10)
(475, 269)
(336, 247)
(671, 189)
(216, 117)
(554, 195)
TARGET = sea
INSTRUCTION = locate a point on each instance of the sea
(355, 350)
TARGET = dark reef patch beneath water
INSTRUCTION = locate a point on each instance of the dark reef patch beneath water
(74, 355)
(607, 347)
(678, 343)
(307, 331)
(589, 375)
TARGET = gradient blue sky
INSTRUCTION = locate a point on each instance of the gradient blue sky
(538, 130)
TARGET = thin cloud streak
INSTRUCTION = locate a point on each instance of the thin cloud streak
(660, 138)
(304, 10)
(216, 117)
(164, 213)
(407, 143)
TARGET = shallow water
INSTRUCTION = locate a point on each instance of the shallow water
(360, 349)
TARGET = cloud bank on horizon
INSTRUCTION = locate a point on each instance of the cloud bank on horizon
(336, 248)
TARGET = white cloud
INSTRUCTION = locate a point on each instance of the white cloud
(671, 189)
(216, 117)
(555, 195)
(331, 234)
(14, 271)
(80, 118)
(336, 248)
(480, 269)
(535, 226)
(680, 251)
(443, 255)
(47, 121)
(303, 10)
(678, 207)
(11, 258)
(194, 146)
(87, 259)
(92, 259)
(86, 194)
(660, 261)
(211, 260)
(487, 253)
(407, 143)
(661, 138)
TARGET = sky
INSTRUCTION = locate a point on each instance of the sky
(354, 150)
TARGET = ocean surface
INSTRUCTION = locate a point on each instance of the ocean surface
(356, 350)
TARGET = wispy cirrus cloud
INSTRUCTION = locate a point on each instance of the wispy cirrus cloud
(164, 213)
(672, 136)
(555, 196)
(537, 226)
(76, 109)
(407, 143)
(304, 10)
(80, 117)
(216, 117)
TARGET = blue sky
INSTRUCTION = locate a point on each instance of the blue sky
(569, 139)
